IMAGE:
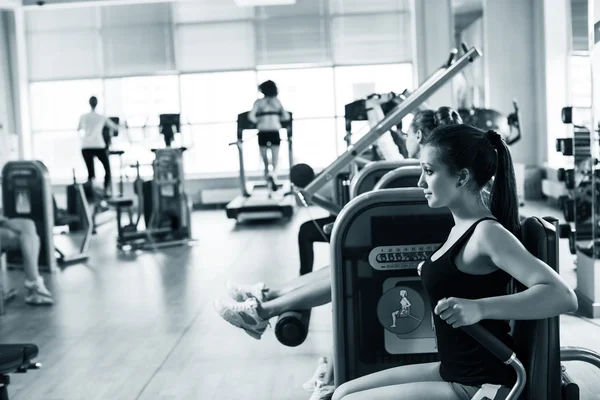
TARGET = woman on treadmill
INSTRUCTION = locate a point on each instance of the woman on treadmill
(268, 113)
(467, 276)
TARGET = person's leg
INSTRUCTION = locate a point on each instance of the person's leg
(253, 317)
(102, 155)
(304, 298)
(275, 156)
(408, 391)
(20, 234)
(88, 158)
(406, 374)
(29, 244)
(308, 234)
(265, 293)
(265, 157)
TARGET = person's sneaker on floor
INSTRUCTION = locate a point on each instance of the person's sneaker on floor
(244, 292)
(322, 391)
(243, 315)
(318, 375)
(37, 294)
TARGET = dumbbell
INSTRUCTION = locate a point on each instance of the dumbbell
(567, 115)
(569, 178)
(583, 210)
(565, 146)
(568, 209)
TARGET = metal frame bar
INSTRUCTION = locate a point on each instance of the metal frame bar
(430, 86)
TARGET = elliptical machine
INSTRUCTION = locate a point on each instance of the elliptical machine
(162, 201)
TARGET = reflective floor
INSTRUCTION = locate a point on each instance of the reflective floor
(143, 326)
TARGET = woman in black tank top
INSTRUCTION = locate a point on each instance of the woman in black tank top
(466, 277)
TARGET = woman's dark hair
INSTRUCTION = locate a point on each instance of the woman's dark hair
(93, 101)
(268, 88)
(427, 120)
(485, 155)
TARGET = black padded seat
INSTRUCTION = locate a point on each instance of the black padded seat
(16, 356)
(120, 202)
(116, 152)
(538, 341)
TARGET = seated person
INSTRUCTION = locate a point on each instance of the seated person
(20, 234)
(255, 304)
(467, 276)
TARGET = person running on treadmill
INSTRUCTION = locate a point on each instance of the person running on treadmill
(254, 305)
(467, 276)
(268, 114)
(93, 143)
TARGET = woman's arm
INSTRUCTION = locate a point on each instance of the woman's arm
(547, 294)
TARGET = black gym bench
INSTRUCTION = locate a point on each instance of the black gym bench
(15, 358)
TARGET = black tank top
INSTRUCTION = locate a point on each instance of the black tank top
(464, 360)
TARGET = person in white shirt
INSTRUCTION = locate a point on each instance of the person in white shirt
(268, 113)
(93, 143)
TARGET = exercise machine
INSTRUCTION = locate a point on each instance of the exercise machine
(303, 175)
(17, 358)
(580, 206)
(509, 127)
(373, 172)
(27, 193)
(163, 201)
(291, 328)
(372, 272)
(260, 203)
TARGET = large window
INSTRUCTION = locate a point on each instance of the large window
(217, 97)
(205, 60)
(353, 83)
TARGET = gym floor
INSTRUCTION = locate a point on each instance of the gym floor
(143, 326)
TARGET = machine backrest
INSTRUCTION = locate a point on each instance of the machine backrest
(407, 176)
(537, 342)
(368, 177)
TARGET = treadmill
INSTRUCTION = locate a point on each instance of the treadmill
(261, 203)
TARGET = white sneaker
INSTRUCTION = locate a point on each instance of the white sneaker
(244, 292)
(318, 375)
(37, 294)
(322, 391)
(243, 315)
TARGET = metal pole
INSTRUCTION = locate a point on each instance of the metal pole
(412, 101)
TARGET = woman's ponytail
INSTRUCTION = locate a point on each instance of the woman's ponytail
(504, 203)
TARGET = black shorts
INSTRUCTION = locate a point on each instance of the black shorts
(269, 136)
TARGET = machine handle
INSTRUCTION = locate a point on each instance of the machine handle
(490, 342)
(503, 353)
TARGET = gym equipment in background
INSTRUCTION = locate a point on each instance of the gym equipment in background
(27, 193)
(302, 173)
(16, 358)
(583, 187)
(261, 202)
(509, 127)
(169, 125)
(163, 202)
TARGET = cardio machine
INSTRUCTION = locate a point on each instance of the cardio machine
(262, 202)
(163, 201)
